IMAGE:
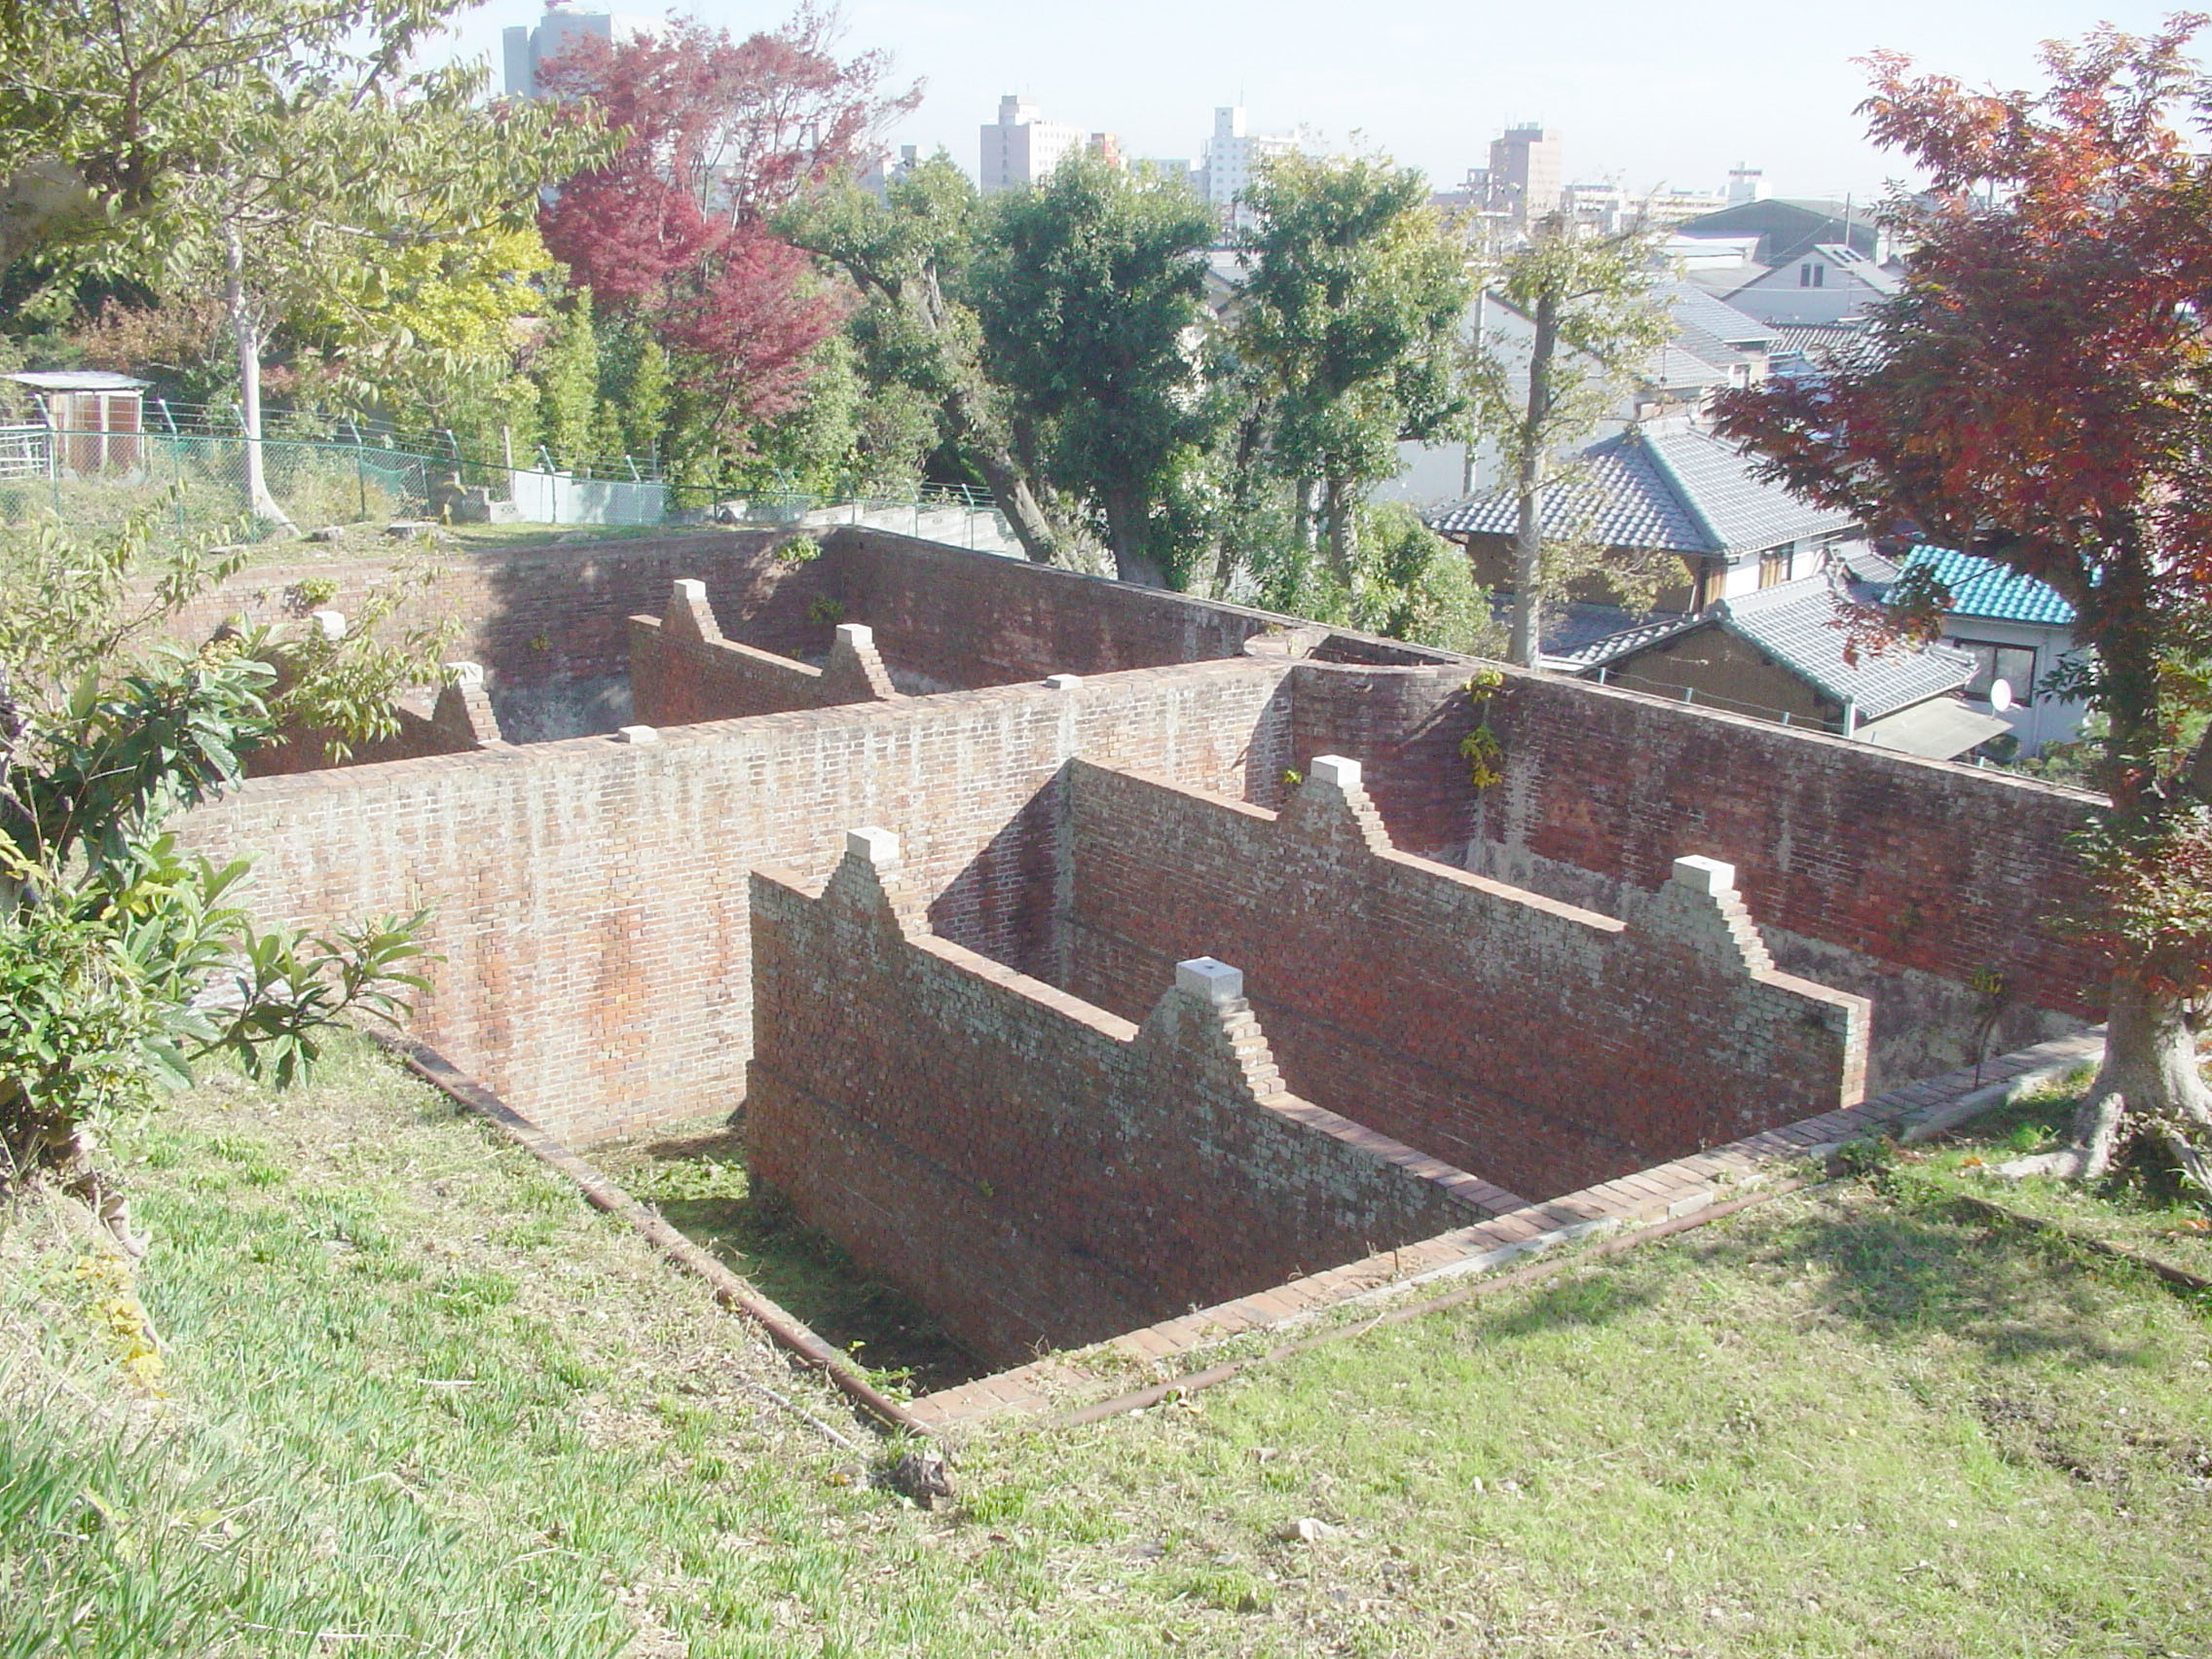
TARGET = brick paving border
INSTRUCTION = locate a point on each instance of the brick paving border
(1665, 1192)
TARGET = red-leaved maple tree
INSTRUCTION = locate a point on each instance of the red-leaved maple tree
(721, 132)
(2037, 393)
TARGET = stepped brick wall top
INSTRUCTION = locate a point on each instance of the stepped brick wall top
(1035, 1170)
(589, 895)
(1882, 873)
(1537, 1045)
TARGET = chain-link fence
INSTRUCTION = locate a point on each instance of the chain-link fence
(184, 474)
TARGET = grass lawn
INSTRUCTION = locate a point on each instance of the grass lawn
(414, 1398)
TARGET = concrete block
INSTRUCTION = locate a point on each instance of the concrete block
(1062, 681)
(1705, 876)
(330, 624)
(877, 848)
(642, 734)
(1338, 770)
(1216, 982)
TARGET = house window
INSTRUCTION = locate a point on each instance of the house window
(2016, 665)
(1774, 566)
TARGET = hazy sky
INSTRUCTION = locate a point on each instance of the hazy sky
(1658, 95)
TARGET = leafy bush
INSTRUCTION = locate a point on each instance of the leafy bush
(124, 961)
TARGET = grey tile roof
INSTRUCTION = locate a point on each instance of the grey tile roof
(1689, 362)
(1745, 513)
(1619, 497)
(1593, 653)
(1676, 489)
(1795, 624)
(1694, 308)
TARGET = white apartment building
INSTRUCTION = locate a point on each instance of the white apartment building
(1021, 148)
(1234, 158)
(525, 49)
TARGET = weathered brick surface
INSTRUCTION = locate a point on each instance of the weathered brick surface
(1920, 869)
(1033, 1168)
(542, 613)
(683, 671)
(974, 619)
(590, 897)
(1542, 1047)
(458, 720)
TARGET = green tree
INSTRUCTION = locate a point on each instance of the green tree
(1088, 295)
(1350, 321)
(123, 960)
(1595, 317)
(911, 257)
(2036, 392)
(567, 372)
(103, 105)
(256, 174)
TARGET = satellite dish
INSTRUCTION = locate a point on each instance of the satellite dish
(1999, 695)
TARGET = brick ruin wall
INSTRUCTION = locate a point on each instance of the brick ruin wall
(591, 895)
(1892, 877)
(1036, 1170)
(685, 670)
(1539, 1046)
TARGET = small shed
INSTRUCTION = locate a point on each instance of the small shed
(97, 418)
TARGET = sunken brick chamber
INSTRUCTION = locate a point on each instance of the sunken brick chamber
(1092, 785)
(1138, 1128)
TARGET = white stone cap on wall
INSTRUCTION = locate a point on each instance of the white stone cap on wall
(1215, 981)
(1701, 874)
(877, 848)
(1338, 770)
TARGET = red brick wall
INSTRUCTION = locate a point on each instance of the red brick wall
(1883, 874)
(538, 613)
(967, 618)
(1535, 1045)
(683, 671)
(1035, 1170)
(590, 895)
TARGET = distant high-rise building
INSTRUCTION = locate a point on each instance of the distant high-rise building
(1746, 184)
(1527, 168)
(888, 169)
(1021, 148)
(1234, 158)
(527, 49)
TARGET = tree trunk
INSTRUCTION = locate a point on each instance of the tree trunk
(995, 462)
(1124, 533)
(2151, 1055)
(967, 407)
(1528, 489)
(1337, 528)
(1302, 514)
(246, 334)
(2150, 1066)
(1240, 485)
(2149, 1070)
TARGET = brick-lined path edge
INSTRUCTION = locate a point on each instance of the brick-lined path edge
(1662, 1192)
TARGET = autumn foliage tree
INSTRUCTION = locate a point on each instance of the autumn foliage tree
(2037, 393)
(673, 230)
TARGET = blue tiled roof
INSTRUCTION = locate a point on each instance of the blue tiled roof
(1983, 587)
